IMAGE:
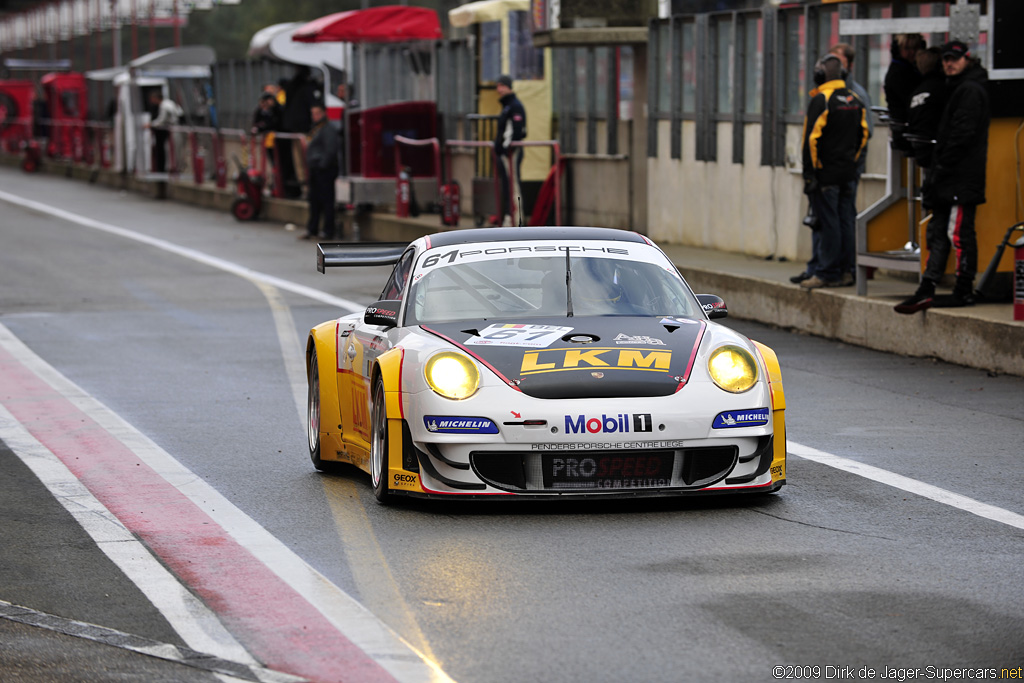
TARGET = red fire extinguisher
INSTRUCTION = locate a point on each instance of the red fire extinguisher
(403, 195)
(199, 166)
(451, 195)
(1018, 279)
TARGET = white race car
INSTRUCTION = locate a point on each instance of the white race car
(541, 362)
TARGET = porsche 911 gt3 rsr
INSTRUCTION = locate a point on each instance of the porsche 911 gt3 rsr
(541, 362)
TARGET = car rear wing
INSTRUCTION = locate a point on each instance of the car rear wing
(332, 255)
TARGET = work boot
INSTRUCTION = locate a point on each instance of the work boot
(921, 300)
(963, 295)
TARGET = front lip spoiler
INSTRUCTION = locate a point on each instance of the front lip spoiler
(768, 487)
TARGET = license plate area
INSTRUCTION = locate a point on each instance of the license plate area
(608, 471)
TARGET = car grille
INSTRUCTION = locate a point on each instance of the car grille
(604, 471)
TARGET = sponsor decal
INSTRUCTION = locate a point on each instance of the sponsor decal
(535, 336)
(677, 321)
(516, 249)
(778, 471)
(622, 423)
(609, 471)
(640, 339)
(741, 418)
(557, 360)
(405, 480)
(606, 446)
(438, 424)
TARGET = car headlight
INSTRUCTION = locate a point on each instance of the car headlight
(733, 369)
(452, 375)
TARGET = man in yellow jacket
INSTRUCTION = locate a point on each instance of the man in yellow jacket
(835, 133)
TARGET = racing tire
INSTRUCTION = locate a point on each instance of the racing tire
(379, 444)
(243, 210)
(313, 413)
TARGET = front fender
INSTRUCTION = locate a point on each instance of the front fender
(778, 394)
(324, 338)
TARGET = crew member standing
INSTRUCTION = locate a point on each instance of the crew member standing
(511, 128)
(322, 160)
(956, 184)
(835, 133)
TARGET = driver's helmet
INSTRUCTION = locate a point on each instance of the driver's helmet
(598, 281)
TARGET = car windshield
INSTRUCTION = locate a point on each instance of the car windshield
(535, 285)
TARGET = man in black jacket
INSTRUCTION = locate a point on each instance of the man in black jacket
(511, 128)
(835, 133)
(956, 184)
(322, 160)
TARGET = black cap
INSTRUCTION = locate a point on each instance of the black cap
(505, 80)
(955, 48)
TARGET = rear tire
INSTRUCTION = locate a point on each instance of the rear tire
(379, 445)
(313, 412)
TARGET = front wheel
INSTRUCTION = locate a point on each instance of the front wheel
(379, 444)
(313, 412)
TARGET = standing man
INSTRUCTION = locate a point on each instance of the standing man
(835, 133)
(901, 79)
(511, 128)
(322, 160)
(168, 114)
(956, 184)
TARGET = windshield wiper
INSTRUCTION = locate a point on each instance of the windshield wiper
(568, 285)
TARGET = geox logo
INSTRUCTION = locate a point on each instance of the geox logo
(609, 424)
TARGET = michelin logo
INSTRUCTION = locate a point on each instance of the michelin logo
(459, 425)
(741, 418)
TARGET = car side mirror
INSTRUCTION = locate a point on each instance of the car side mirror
(383, 313)
(714, 307)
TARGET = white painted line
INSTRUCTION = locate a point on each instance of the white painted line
(194, 622)
(909, 485)
(353, 620)
(191, 254)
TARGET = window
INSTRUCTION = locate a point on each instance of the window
(665, 75)
(723, 58)
(753, 63)
(603, 62)
(490, 51)
(689, 68)
(527, 61)
(794, 75)
(878, 56)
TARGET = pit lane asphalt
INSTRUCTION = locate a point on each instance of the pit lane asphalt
(835, 570)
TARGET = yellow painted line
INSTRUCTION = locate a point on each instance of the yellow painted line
(378, 589)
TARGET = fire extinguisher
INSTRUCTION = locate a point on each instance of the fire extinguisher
(403, 193)
(450, 198)
(1018, 279)
(199, 166)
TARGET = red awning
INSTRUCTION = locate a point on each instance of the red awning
(386, 24)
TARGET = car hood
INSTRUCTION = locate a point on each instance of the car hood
(579, 357)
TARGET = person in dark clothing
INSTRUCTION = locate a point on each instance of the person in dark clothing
(266, 120)
(901, 79)
(300, 95)
(835, 133)
(956, 184)
(511, 128)
(322, 160)
(926, 104)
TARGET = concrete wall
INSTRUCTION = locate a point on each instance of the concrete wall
(746, 208)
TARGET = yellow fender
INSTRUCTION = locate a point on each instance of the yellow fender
(389, 369)
(771, 362)
(324, 338)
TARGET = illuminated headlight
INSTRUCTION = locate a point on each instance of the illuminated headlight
(733, 369)
(452, 375)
